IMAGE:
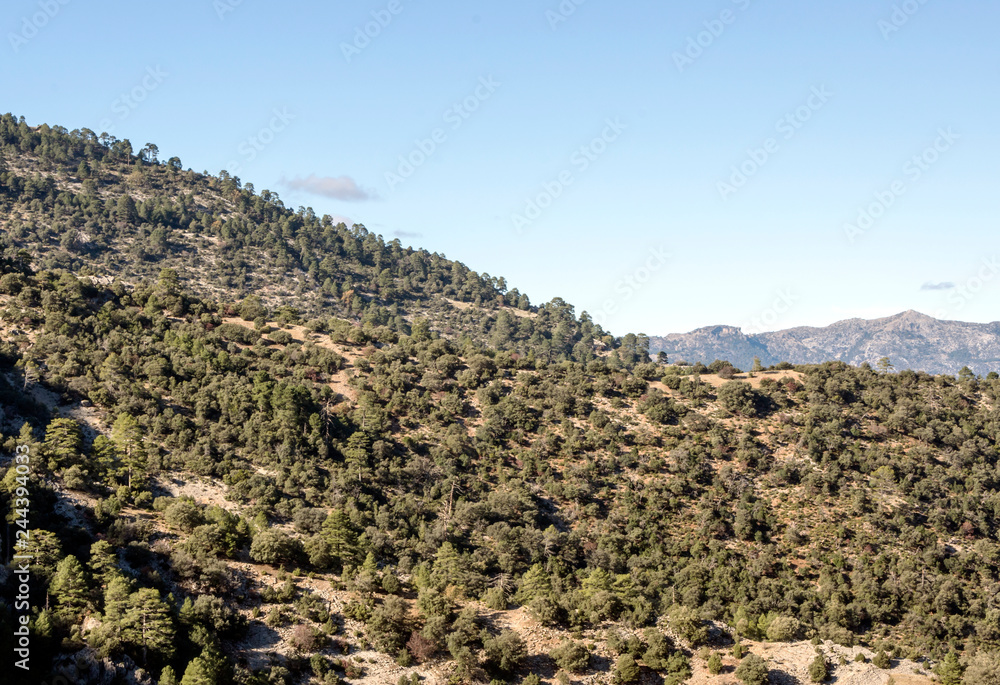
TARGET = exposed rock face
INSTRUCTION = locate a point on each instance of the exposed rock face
(911, 340)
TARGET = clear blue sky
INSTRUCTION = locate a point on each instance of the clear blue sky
(651, 197)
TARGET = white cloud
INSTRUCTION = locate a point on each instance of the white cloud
(339, 188)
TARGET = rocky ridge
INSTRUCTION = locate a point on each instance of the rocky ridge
(911, 340)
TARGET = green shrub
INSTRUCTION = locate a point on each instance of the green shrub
(983, 669)
(505, 652)
(818, 669)
(626, 671)
(571, 656)
(686, 623)
(738, 397)
(752, 671)
(783, 629)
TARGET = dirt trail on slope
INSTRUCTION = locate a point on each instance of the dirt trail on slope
(339, 382)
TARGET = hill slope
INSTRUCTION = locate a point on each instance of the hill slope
(239, 489)
(86, 203)
(911, 341)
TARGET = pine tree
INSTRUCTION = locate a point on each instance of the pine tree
(367, 578)
(63, 443)
(147, 624)
(216, 665)
(43, 624)
(186, 613)
(69, 587)
(534, 583)
(107, 638)
(447, 567)
(369, 564)
(196, 673)
(168, 677)
(318, 551)
(127, 436)
(339, 533)
(116, 597)
(43, 631)
(106, 459)
(42, 546)
(950, 670)
(126, 211)
(356, 452)
(599, 580)
(103, 561)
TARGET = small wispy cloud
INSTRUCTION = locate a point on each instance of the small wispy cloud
(339, 188)
(947, 285)
(407, 234)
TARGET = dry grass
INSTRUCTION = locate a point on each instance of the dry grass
(715, 380)
(462, 306)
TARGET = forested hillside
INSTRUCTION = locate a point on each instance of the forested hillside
(351, 478)
(95, 206)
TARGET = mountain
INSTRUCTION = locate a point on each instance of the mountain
(911, 340)
(245, 444)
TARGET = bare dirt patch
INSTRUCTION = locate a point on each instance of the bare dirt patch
(201, 490)
(715, 380)
(789, 663)
(462, 306)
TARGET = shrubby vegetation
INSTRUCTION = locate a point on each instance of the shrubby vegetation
(424, 457)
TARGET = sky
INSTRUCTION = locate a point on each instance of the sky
(661, 165)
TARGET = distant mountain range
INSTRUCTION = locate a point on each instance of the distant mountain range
(911, 340)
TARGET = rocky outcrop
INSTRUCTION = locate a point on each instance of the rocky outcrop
(911, 340)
